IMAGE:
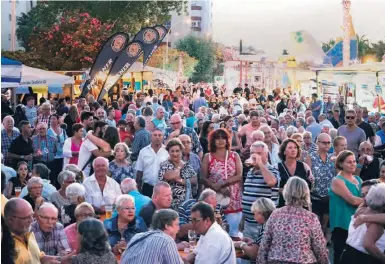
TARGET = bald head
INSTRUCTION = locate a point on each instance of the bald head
(176, 121)
(323, 137)
(128, 185)
(14, 206)
(8, 123)
(18, 215)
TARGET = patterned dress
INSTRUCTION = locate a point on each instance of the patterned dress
(179, 191)
(292, 235)
(218, 172)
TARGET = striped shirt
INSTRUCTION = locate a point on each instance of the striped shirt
(155, 247)
(142, 138)
(255, 187)
(51, 243)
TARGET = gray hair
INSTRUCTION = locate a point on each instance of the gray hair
(264, 205)
(33, 181)
(141, 121)
(75, 169)
(122, 198)
(310, 119)
(260, 144)
(81, 206)
(307, 133)
(124, 147)
(258, 132)
(128, 185)
(160, 108)
(291, 130)
(206, 193)
(65, 175)
(100, 158)
(375, 199)
(296, 192)
(333, 133)
(163, 217)
(265, 127)
(301, 120)
(159, 185)
(47, 205)
(155, 99)
(74, 191)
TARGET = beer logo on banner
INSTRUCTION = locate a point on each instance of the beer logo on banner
(118, 43)
(161, 31)
(149, 36)
(133, 49)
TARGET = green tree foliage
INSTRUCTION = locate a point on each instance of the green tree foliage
(363, 45)
(326, 46)
(378, 49)
(202, 50)
(126, 16)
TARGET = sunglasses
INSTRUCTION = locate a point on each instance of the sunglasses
(350, 117)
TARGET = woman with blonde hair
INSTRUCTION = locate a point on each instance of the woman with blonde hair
(307, 242)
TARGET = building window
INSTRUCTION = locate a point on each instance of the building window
(10, 17)
(195, 24)
(9, 37)
(196, 7)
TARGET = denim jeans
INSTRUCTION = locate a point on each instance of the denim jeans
(233, 220)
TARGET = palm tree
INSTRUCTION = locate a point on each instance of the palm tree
(363, 46)
(326, 46)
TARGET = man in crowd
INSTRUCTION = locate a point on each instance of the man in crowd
(49, 234)
(190, 157)
(335, 120)
(147, 165)
(214, 245)
(368, 166)
(101, 190)
(328, 106)
(8, 134)
(261, 181)
(21, 148)
(31, 111)
(87, 120)
(110, 120)
(18, 216)
(363, 125)
(199, 102)
(142, 137)
(248, 129)
(177, 128)
(353, 134)
(156, 245)
(161, 199)
(129, 186)
(313, 127)
(159, 121)
(45, 146)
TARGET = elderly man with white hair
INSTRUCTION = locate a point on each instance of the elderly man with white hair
(159, 120)
(272, 143)
(122, 227)
(261, 181)
(101, 190)
(49, 232)
(75, 193)
(8, 134)
(130, 187)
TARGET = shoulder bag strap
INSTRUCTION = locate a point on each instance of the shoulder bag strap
(229, 255)
(140, 239)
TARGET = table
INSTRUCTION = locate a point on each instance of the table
(239, 253)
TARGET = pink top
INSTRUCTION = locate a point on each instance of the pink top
(71, 233)
(74, 147)
(217, 173)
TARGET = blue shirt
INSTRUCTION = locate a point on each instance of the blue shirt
(160, 123)
(196, 145)
(381, 134)
(134, 227)
(313, 106)
(315, 129)
(140, 200)
(201, 101)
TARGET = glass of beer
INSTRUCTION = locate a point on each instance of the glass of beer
(192, 238)
(17, 191)
(108, 206)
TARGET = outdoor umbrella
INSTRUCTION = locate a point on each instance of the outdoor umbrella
(10, 72)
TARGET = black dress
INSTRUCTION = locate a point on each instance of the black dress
(16, 183)
(68, 120)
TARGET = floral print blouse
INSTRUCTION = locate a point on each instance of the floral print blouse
(293, 235)
(119, 173)
(179, 191)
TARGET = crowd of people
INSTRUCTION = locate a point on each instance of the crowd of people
(254, 177)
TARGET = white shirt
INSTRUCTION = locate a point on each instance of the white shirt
(326, 122)
(215, 247)
(274, 158)
(148, 162)
(85, 153)
(94, 195)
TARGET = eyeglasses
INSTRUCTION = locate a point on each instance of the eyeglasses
(128, 208)
(350, 117)
(325, 142)
(46, 218)
(24, 218)
(196, 220)
(186, 142)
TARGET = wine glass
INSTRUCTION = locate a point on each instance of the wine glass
(192, 237)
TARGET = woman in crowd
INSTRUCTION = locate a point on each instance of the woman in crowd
(262, 208)
(109, 139)
(34, 196)
(366, 243)
(75, 169)
(235, 141)
(72, 145)
(339, 144)
(121, 168)
(309, 146)
(40, 170)
(75, 194)
(19, 181)
(59, 198)
(344, 196)
(82, 211)
(94, 247)
(222, 172)
(148, 115)
(298, 137)
(291, 130)
(180, 175)
(207, 127)
(60, 134)
(300, 243)
(118, 112)
(289, 153)
(71, 119)
(122, 227)
(300, 123)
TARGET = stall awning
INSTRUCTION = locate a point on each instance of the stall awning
(57, 89)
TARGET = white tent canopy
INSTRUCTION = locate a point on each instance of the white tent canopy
(33, 76)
